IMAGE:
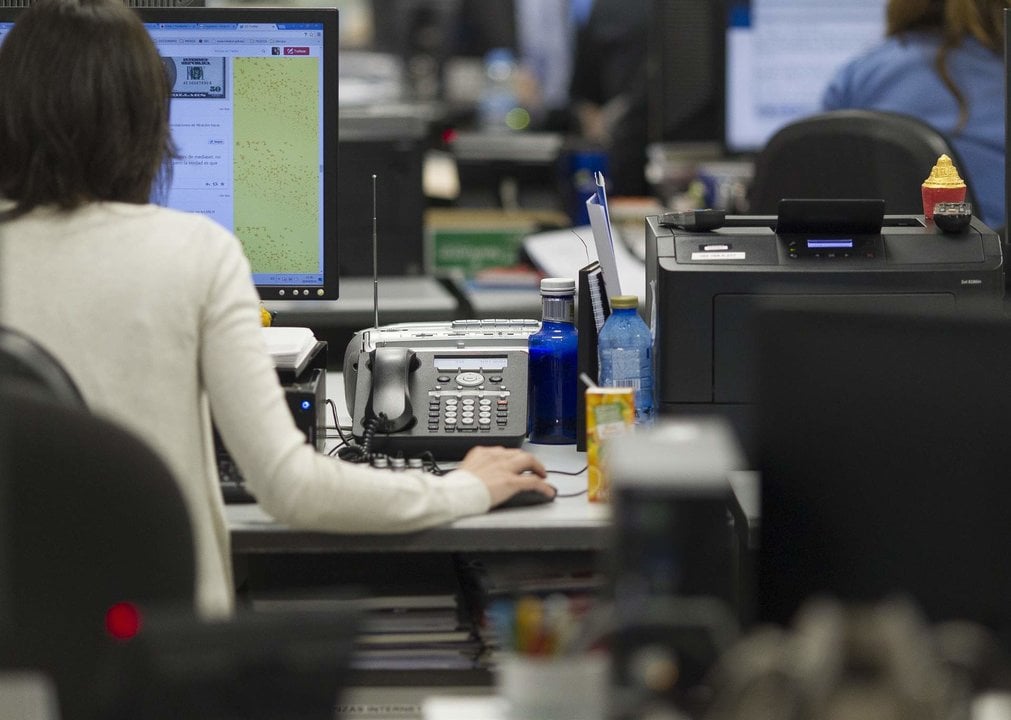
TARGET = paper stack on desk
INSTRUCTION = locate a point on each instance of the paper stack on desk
(288, 346)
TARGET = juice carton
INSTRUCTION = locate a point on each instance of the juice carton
(610, 412)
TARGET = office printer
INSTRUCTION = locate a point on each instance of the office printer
(701, 286)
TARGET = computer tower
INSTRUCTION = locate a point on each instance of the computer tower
(305, 393)
(677, 565)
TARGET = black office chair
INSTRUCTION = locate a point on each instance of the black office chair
(850, 154)
(23, 360)
(92, 519)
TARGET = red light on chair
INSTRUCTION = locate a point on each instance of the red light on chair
(122, 620)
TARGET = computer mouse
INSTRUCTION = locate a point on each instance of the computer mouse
(525, 498)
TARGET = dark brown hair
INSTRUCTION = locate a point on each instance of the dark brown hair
(84, 106)
(955, 20)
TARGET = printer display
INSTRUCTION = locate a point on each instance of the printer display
(702, 286)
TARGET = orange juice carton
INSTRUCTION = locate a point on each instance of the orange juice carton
(610, 412)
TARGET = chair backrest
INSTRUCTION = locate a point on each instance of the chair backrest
(91, 517)
(24, 360)
(850, 154)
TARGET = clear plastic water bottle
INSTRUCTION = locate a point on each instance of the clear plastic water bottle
(498, 97)
(552, 371)
(625, 355)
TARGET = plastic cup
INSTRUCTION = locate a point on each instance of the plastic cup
(554, 688)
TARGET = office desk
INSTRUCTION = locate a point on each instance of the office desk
(568, 523)
(570, 532)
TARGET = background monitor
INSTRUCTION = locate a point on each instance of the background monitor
(883, 458)
(684, 67)
(781, 54)
(390, 145)
(254, 117)
(1007, 121)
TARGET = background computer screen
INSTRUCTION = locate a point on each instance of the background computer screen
(780, 55)
(254, 117)
(685, 71)
(883, 458)
(1007, 119)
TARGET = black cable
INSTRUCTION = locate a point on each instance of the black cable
(428, 459)
(337, 424)
(571, 473)
(333, 411)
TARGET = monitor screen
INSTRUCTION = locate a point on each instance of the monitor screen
(685, 71)
(883, 458)
(1007, 118)
(254, 118)
(780, 56)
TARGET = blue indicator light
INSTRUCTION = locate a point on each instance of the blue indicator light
(306, 404)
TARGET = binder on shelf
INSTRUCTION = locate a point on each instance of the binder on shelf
(592, 309)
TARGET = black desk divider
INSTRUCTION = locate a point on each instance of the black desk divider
(592, 308)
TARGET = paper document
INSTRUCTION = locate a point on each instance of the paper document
(600, 222)
(288, 346)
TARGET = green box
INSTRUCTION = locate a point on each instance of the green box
(467, 251)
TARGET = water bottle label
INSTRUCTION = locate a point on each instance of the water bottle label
(625, 367)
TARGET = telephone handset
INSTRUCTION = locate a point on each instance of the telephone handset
(442, 388)
(389, 404)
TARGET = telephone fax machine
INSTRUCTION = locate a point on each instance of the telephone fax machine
(438, 387)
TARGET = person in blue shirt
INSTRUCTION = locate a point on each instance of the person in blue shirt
(941, 61)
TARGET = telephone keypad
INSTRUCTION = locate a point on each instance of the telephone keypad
(468, 410)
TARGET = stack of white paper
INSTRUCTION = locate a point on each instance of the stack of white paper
(288, 346)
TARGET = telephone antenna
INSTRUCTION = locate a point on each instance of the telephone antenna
(375, 256)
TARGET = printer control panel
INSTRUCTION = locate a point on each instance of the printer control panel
(832, 247)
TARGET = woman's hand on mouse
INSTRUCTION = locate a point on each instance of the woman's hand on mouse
(506, 471)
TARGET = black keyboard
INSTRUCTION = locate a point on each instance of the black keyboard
(233, 485)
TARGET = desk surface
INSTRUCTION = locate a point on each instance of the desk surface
(568, 523)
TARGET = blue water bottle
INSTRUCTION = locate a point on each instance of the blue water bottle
(551, 403)
(497, 105)
(625, 355)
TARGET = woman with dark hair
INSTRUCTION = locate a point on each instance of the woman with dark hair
(153, 311)
(942, 61)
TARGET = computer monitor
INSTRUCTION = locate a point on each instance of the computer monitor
(684, 67)
(254, 117)
(1007, 119)
(883, 459)
(780, 56)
